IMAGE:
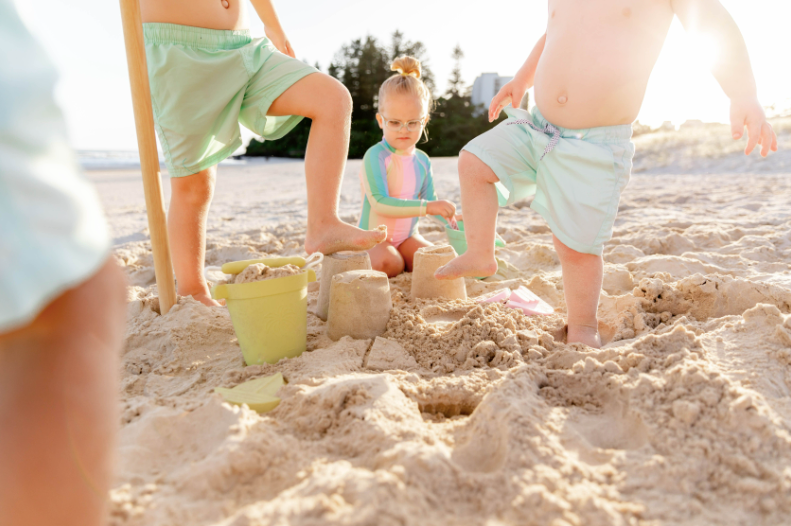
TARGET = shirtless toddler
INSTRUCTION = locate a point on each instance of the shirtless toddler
(208, 75)
(574, 152)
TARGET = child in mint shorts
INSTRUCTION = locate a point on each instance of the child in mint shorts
(573, 153)
(208, 76)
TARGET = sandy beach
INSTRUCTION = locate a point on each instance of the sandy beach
(463, 414)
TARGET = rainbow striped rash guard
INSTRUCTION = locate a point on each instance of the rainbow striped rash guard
(397, 187)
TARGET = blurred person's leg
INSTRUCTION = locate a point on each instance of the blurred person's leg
(61, 306)
(59, 405)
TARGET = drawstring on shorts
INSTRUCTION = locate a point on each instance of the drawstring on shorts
(548, 130)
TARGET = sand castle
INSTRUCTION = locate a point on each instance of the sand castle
(425, 285)
(360, 304)
(335, 264)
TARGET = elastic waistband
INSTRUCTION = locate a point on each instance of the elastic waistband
(604, 134)
(196, 37)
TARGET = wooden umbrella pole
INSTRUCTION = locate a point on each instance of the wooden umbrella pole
(149, 159)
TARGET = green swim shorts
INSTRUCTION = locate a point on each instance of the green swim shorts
(576, 176)
(205, 82)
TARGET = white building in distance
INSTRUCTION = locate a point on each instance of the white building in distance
(486, 87)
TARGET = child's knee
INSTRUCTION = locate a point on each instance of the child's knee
(472, 168)
(196, 189)
(336, 101)
(392, 265)
(570, 255)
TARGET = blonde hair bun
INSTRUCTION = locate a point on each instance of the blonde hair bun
(406, 66)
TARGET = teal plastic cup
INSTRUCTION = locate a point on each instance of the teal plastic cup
(458, 240)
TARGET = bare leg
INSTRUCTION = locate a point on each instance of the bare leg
(59, 405)
(582, 281)
(386, 258)
(189, 207)
(409, 247)
(479, 202)
(328, 103)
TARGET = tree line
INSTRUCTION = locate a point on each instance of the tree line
(362, 65)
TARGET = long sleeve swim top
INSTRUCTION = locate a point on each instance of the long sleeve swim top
(397, 187)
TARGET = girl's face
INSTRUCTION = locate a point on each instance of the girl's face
(409, 111)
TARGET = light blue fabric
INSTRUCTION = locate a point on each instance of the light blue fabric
(53, 233)
(576, 176)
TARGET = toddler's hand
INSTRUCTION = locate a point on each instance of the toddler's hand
(511, 93)
(442, 208)
(280, 41)
(748, 112)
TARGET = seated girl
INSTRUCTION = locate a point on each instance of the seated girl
(396, 177)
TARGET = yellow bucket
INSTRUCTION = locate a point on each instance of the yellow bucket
(270, 317)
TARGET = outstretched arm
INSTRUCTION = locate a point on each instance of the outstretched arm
(513, 91)
(272, 28)
(732, 69)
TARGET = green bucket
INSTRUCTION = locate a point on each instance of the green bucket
(270, 317)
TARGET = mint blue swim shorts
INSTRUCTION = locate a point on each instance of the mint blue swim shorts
(205, 82)
(53, 234)
(575, 176)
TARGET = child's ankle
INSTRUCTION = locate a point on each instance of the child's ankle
(192, 290)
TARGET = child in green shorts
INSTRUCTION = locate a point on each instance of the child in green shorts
(574, 153)
(208, 75)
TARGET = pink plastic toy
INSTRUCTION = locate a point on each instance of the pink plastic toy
(521, 298)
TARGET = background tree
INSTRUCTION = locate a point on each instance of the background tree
(456, 120)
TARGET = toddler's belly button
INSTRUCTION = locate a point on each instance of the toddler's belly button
(225, 4)
(562, 99)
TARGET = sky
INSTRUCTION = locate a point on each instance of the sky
(85, 41)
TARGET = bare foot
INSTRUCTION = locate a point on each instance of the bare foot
(206, 299)
(582, 334)
(337, 236)
(468, 265)
(201, 294)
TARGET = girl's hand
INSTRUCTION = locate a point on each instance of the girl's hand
(442, 208)
(511, 93)
(748, 112)
(279, 40)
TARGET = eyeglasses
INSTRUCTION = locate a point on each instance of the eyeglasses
(396, 125)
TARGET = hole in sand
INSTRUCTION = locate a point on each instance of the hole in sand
(440, 318)
(448, 410)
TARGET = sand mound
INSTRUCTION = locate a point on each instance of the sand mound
(475, 414)
(260, 272)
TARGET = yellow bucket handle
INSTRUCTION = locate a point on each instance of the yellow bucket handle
(314, 259)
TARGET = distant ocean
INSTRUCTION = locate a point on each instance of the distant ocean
(129, 160)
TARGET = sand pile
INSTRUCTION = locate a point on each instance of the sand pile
(260, 272)
(463, 413)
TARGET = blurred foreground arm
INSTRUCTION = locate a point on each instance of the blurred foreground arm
(732, 69)
(274, 31)
(513, 91)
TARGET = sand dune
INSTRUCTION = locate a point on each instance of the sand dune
(468, 414)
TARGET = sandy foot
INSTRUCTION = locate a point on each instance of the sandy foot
(204, 298)
(468, 265)
(581, 334)
(339, 236)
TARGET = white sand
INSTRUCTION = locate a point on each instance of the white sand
(466, 414)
